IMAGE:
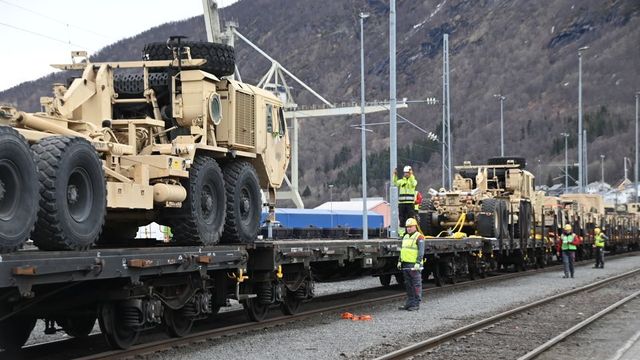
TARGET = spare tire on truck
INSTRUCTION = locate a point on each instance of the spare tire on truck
(221, 58)
(504, 160)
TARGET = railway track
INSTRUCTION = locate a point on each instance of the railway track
(323, 304)
(491, 325)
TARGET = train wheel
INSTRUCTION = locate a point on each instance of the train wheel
(176, 324)
(437, 275)
(291, 304)
(399, 279)
(15, 332)
(78, 326)
(255, 310)
(385, 280)
(113, 324)
(244, 203)
(201, 218)
(73, 195)
(18, 190)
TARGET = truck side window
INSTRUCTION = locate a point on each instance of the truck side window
(269, 115)
(282, 122)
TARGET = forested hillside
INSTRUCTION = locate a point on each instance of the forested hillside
(524, 49)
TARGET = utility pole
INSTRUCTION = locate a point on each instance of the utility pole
(580, 145)
(393, 120)
(501, 98)
(566, 162)
(363, 136)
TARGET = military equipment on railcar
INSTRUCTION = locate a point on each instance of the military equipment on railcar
(166, 139)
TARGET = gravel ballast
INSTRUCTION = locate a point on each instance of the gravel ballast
(329, 337)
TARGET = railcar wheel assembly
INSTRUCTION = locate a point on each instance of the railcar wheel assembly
(178, 323)
(78, 326)
(15, 332)
(120, 324)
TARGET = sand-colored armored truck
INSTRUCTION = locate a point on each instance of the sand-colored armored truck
(123, 144)
(491, 197)
(584, 210)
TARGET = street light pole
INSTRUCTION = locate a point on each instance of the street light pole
(602, 170)
(331, 203)
(365, 222)
(393, 120)
(580, 140)
(566, 162)
(635, 167)
(502, 98)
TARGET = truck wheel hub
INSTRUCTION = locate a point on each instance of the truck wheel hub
(2, 190)
(72, 194)
(207, 202)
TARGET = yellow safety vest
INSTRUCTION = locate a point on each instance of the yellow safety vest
(406, 189)
(409, 251)
(599, 241)
(567, 241)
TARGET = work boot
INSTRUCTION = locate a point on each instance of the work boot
(404, 307)
(413, 308)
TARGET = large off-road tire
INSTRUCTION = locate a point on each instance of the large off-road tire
(502, 160)
(201, 219)
(244, 203)
(133, 84)
(525, 221)
(73, 196)
(489, 219)
(221, 58)
(18, 190)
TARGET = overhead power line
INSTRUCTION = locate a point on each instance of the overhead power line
(43, 35)
(54, 19)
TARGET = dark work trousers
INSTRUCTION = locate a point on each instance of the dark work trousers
(568, 258)
(405, 211)
(600, 257)
(413, 287)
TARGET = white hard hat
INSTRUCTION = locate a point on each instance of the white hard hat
(407, 168)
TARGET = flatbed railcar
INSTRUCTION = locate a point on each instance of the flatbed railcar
(128, 290)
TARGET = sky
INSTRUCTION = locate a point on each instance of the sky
(36, 33)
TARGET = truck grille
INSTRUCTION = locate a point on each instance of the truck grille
(245, 120)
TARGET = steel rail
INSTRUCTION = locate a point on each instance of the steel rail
(159, 345)
(565, 334)
(155, 346)
(430, 343)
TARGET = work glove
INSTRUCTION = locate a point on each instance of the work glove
(417, 267)
(399, 266)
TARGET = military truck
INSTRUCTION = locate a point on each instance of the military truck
(494, 200)
(166, 139)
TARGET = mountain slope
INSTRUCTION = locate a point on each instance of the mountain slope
(524, 49)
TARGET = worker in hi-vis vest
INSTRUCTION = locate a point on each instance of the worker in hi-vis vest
(568, 250)
(406, 196)
(410, 263)
(598, 244)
